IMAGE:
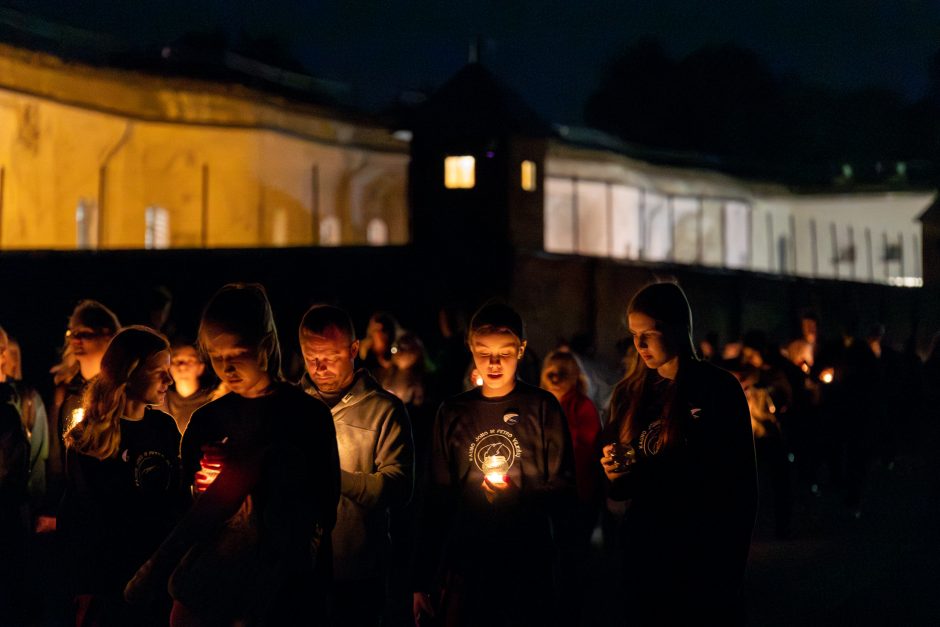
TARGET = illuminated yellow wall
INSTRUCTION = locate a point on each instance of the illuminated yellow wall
(123, 142)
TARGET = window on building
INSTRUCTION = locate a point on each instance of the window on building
(657, 227)
(592, 218)
(559, 215)
(459, 172)
(377, 232)
(86, 224)
(737, 234)
(279, 227)
(330, 232)
(625, 222)
(156, 227)
(528, 174)
(686, 223)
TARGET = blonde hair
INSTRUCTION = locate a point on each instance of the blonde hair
(566, 358)
(105, 401)
(243, 309)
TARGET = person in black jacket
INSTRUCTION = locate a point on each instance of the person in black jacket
(122, 479)
(500, 486)
(681, 453)
(254, 548)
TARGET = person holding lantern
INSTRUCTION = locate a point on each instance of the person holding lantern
(500, 490)
(680, 451)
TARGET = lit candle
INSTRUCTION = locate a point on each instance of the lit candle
(209, 469)
(827, 375)
(496, 469)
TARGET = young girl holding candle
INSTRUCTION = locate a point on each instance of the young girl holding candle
(682, 454)
(122, 477)
(263, 464)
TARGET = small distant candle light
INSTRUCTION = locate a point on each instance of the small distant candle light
(827, 375)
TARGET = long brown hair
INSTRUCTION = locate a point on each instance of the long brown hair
(105, 401)
(667, 305)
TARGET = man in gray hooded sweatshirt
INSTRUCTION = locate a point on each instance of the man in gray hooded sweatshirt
(376, 457)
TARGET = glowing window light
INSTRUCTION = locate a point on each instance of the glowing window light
(528, 172)
(459, 172)
(377, 232)
(906, 281)
(157, 227)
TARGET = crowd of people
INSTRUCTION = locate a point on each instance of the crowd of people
(188, 481)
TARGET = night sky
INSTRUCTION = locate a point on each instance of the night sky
(553, 52)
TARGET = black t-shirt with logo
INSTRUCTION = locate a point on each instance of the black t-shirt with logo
(462, 532)
(115, 512)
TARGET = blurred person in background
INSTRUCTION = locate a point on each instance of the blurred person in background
(91, 326)
(188, 393)
(375, 349)
(562, 376)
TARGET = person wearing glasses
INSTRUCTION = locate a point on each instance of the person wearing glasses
(376, 458)
(91, 326)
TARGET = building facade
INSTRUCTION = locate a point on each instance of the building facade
(99, 158)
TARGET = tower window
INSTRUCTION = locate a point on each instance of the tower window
(459, 172)
(528, 173)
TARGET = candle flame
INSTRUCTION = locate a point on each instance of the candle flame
(496, 478)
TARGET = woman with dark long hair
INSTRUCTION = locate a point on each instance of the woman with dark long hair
(122, 478)
(681, 453)
(254, 549)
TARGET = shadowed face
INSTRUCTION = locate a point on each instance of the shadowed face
(651, 343)
(330, 358)
(237, 364)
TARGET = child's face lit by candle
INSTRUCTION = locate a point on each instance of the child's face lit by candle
(496, 357)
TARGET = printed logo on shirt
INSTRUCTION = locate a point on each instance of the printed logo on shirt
(152, 472)
(495, 450)
(511, 417)
(650, 440)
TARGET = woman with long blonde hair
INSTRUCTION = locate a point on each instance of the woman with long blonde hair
(263, 465)
(122, 478)
(681, 454)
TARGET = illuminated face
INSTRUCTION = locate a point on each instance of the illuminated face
(558, 379)
(235, 363)
(186, 365)
(496, 357)
(151, 380)
(330, 358)
(651, 344)
(809, 328)
(88, 345)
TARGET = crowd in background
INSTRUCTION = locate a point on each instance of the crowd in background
(823, 409)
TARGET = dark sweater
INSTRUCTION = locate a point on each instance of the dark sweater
(692, 504)
(116, 511)
(253, 533)
(462, 533)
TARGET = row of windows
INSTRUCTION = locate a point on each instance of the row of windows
(612, 220)
(157, 234)
(460, 173)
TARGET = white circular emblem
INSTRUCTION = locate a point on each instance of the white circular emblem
(510, 418)
(493, 445)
